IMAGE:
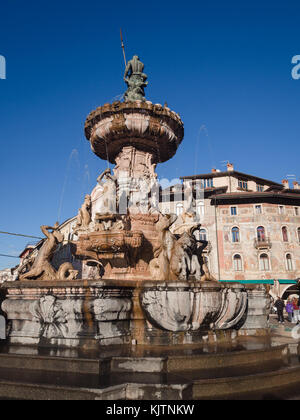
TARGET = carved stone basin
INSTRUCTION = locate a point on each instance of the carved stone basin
(146, 126)
(180, 307)
(102, 245)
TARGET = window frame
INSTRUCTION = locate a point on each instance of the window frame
(243, 184)
(238, 263)
(260, 259)
(263, 236)
(255, 209)
(236, 210)
(238, 231)
(289, 263)
(287, 234)
(298, 234)
(203, 231)
(260, 188)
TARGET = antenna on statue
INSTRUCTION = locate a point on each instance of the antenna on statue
(122, 45)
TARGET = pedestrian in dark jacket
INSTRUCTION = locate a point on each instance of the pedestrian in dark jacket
(279, 304)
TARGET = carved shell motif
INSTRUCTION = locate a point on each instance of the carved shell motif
(51, 317)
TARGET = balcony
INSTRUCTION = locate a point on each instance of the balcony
(262, 243)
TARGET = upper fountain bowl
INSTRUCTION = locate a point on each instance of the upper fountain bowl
(151, 128)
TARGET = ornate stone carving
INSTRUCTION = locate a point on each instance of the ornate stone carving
(175, 307)
(104, 197)
(49, 313)
(84, 215)
(178, 256)
(68, 314)
(41, 267)
(147, 127)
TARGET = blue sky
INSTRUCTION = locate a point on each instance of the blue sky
(225, 67)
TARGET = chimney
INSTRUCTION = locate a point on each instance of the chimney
(296, 185)
(230, 167)
(285, 183)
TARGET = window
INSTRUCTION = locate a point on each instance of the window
(200, 209)
(203, 235)
(296, 211)
(261, 235)
(289, 262)
(264, 264)
(259, 188)
(285, 236)
(179, 209)
(258, 209)
(235, 234)
(243, 184)
(281, 209)
(237, 263)
(207, 183)
(298, 233)
(233, 211)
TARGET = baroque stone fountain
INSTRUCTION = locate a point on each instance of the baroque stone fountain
(149, 284)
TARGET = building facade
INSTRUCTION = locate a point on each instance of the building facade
(252, 225)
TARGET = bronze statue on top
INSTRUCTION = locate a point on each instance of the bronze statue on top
(135, 80)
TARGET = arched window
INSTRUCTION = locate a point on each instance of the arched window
(235, 234)
(298, 233)
(179, 209)
(285, 237)
(202, 235)
(264, 263)
(289, 262)
(261, 235)
(237, 263)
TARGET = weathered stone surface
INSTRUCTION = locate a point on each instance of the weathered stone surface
(67, 315)
(6, 275)
(177, 307)
(259, 304)
(40, 267)
(115, 312)
(143, 125)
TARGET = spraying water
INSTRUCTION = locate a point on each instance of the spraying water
(73, 156)
(210, 146)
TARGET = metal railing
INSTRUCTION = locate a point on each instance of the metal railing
(263, 242)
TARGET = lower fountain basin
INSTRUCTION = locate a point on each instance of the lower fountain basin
(102, 312)
(179, 307)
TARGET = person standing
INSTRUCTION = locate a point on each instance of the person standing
(279, 305)
(296, 311)
(290, 310)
